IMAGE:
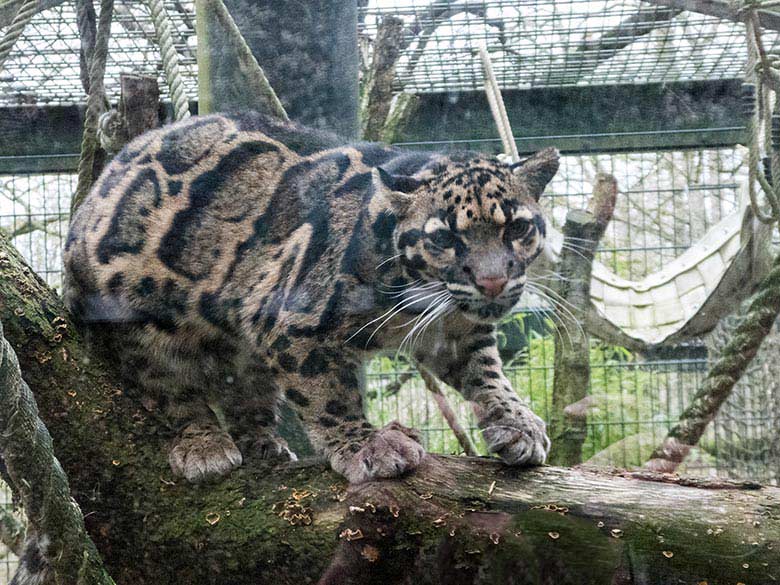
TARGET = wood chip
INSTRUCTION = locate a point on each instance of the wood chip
(212, 518)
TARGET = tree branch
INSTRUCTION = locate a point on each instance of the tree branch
(11, 531)
(722, 9)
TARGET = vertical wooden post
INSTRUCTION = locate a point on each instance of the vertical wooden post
(307, 49)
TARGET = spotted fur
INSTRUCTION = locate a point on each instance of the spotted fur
(232, 262)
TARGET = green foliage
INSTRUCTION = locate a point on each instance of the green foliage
(629, 405)
(619, 396)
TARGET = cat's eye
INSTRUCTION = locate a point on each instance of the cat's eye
(443, 238)
(519, 228)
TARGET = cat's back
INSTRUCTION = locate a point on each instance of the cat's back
(175, 202)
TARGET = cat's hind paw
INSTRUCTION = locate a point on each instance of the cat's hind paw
(389, 452)
(203, 452)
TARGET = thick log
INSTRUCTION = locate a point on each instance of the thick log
(457, 520)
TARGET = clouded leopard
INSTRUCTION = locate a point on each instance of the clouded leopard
(233, 261)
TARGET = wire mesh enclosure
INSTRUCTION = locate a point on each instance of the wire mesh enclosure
(43, 67)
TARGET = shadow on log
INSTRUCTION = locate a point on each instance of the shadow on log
(457, 520)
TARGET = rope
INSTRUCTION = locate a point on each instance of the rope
(760, 73)
(170, 59)
(42, 485)
(86, 20)
(723, 375)
(96, 105)
(16, 28)
(497, 107)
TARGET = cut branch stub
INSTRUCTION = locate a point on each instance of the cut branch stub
(378, 89)
(582, 232)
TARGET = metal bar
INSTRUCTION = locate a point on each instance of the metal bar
(720, 9)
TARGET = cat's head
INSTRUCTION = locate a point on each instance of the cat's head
(467, 230)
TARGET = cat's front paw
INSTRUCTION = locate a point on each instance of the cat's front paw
(202, 452)
(518, 436)
(388, 452)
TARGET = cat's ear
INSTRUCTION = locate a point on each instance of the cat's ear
(537, 170)
(396, 189)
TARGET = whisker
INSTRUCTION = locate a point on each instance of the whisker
(410, 339)
(402, 304)
(443, 309)
(409, 333)
(398, 286)
(558, 323)
(559, 304)
(417, 317)
(576, 251)
(411, 302)
(423, 325)
(413, 289)
(557, 295)
(588, 240)
(552, 276)
(558, 307)
(383, 262)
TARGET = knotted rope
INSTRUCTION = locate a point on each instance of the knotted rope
(16, 28)
(170, 59)
(762, 84)
(96, 103)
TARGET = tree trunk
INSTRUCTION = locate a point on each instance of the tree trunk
(582, 232)
(457, 520)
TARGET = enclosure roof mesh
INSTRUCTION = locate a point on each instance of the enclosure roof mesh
(558, 43)
(532, 44)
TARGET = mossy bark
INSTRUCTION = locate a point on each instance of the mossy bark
(456, 520)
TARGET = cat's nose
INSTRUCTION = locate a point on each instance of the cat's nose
(492, 286)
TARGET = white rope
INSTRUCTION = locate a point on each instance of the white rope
(497, 107)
